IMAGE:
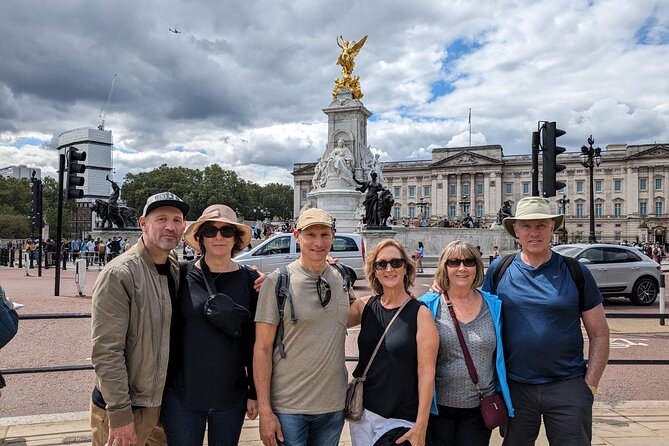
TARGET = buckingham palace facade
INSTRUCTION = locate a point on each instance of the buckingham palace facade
(631, 188)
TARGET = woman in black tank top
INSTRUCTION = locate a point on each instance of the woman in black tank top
(400, 381)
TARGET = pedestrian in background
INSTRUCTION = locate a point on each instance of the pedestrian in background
(418, 255)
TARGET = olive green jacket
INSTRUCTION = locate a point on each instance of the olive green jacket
(131, 317)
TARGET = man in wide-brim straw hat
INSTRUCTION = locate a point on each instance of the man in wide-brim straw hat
(542, 309)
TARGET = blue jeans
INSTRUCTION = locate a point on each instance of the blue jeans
(311, 430)
(185, 427)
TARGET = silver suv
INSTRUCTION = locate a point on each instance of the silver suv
(281, 249)
(618, 270)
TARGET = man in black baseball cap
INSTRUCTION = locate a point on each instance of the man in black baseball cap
(165, 199)
(131, 315)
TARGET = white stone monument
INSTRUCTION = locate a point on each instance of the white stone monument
(346, 156)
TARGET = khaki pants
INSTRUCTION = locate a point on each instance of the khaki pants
(149, 431)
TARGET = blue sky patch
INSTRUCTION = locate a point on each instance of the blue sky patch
(455, 51)
(28, 142)
(652, 32)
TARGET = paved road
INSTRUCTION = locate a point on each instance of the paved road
(67, 341)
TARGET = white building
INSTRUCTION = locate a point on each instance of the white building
(21, 171)
(631, 188)
(98, 147)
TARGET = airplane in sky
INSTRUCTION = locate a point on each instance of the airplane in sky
(175, 31)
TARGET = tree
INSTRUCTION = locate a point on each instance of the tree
(179, 180)
(278, 200)
(15, 207)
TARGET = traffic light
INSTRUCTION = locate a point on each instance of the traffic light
(74, 169)
(550, 152)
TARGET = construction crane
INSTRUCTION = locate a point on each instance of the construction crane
(103, 111)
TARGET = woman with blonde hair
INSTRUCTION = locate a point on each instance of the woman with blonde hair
(400, 379)
(456, 416)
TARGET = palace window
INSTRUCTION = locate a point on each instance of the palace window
(579, 209)
(617, 185)
(509, 188)
(617, 209)
(643, 207)
(658, 208)
(397, 191)
(598, 209)
(479, 188)
(643, 183)
(452, 190)
(412, 212)
(658, 183)
(598, 185)
(426, 191)
(579, 185)
(412, 191)
(526, 188)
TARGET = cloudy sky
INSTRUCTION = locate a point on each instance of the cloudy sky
(244, 83)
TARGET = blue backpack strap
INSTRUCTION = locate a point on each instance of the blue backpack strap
(283, 294)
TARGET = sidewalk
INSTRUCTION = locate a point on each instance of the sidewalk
(628, 423)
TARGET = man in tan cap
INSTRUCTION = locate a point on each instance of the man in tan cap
(543, 303)
(301, 401)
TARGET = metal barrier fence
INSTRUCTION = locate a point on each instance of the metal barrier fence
(69, 368)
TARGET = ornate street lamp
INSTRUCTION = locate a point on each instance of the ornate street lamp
(563, 203)
(591, 157)
(465, 204)
(421, 205)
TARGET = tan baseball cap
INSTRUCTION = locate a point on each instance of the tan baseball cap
(312, 217)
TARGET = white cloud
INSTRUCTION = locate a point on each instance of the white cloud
(244, 84)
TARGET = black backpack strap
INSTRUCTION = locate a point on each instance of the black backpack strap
(499, 271)
(345, 274)
(577, 276)
(283, 294)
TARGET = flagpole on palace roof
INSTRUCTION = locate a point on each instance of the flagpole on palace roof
(470, 127)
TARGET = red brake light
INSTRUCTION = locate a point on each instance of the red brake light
(363, 248)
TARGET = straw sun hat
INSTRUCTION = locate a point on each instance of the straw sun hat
(532, 208)
(220, 213)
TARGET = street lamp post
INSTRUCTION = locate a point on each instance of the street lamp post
(421, 205)
(591, 157)
(563, 202)
(465, 204)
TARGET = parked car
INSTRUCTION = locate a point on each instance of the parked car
(618, 270)
(281, 249)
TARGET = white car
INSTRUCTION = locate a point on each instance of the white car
(618, 270)
(281, 249)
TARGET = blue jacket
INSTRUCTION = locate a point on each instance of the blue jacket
(495, 305)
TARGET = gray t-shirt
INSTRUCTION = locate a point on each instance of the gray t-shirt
(453, 385)
(312, 378)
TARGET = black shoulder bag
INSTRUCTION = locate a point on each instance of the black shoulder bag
(221, 310)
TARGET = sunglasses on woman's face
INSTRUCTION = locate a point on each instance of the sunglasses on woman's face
(324, 292)
(211, 231)
(455, 263)
(383, 264)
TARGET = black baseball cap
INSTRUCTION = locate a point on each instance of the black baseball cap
(165, 199)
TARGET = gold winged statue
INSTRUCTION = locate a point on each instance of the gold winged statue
(346, 60)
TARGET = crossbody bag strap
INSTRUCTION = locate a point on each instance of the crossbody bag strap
(465, 351)
(208, 280)
(378, 345)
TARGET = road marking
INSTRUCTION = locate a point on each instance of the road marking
(626, 343)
